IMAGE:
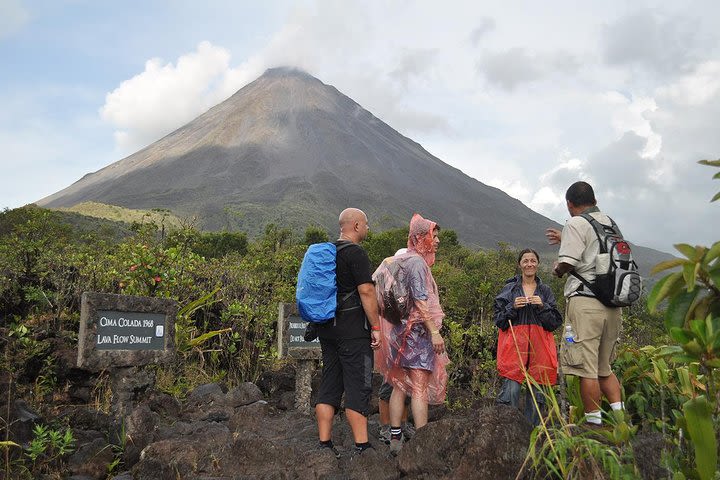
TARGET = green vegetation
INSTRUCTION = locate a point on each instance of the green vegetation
(115, 213)
(229, 287)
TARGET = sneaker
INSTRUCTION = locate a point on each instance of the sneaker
(323, 447)
(396, 445)
(408, 430)
(357, 451)
(384, 434)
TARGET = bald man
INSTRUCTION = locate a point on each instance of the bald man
(348, 340)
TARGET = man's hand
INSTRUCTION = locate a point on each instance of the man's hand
(553, 236)
(560, 269)
(375, 339)
(520, 302)
(536, 300)
(438, 342)
(555, 270)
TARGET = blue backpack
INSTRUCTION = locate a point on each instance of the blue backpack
(316, 291)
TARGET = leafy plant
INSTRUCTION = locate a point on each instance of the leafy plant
(47, 448)
(692, 319)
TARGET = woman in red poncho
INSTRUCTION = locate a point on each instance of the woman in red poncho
(412, 357)
(526, 314)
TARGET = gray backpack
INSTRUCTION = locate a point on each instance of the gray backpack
(617, 280)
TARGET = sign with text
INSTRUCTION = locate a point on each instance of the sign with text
(130, 331)
(296, 333)
(125, 331)
(291, 331)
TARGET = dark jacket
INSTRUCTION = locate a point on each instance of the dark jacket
(530, 341)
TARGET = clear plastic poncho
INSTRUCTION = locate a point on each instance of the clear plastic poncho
(406, 357)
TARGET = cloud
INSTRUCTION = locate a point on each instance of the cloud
(13, 18)
(652, 40)
(516, 66)
(695, 88)
(527, 100)
(486, 26)
(165, 96)
(412, 63)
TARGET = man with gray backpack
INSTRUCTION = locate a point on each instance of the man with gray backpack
(603, 278)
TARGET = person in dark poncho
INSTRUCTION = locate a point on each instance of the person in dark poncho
(526, 314)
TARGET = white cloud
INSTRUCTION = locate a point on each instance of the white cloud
(13, 16)
(695, 88)
(165, 96)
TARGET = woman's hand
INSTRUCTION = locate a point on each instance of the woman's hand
(437, 342)
(520, 302)
(536, 300)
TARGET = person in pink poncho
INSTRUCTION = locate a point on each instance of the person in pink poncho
(412, 356)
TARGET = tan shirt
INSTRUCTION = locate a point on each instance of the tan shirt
(579, 248)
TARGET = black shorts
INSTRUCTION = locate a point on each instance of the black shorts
(386, 390)
(347, 367)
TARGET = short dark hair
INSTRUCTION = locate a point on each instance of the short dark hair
(580, 193)
(528, 250)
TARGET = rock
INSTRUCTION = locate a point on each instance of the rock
(249, 417)
(276, 382)
(123, 476)
(140, 430)
(187, 457)
(372, 465)
(21, 419)
(202, 400)
(286, 401)
(222, 415)
(492, 445)
(82, 418)
(164, 405)
(205, 395)
(81, 385)
(92, 459)
(647, 446)
(244, 394)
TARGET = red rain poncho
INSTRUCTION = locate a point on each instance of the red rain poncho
(406, 349)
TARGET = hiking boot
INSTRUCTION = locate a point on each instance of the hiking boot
(357, 451)
(384, 434)
(408, 430)
(323, 447)
(396, 445)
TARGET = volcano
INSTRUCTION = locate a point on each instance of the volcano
(291, 150)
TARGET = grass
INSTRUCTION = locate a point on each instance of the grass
(122, 214)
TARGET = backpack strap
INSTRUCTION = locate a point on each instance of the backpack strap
(584, 283)
(601, 233)
(601, 230)
(344, 298)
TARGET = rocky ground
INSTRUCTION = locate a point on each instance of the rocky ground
(253, 432)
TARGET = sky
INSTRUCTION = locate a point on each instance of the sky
(525, 96)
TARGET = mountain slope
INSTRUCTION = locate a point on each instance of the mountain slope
(292, 150)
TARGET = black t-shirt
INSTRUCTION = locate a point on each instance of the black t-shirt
(352, 269)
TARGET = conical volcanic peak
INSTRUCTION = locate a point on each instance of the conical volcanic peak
(291, 150)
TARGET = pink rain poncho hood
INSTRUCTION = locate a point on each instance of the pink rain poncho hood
(406, 349)
(420, 238)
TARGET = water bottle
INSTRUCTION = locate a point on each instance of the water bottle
(569, 335)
